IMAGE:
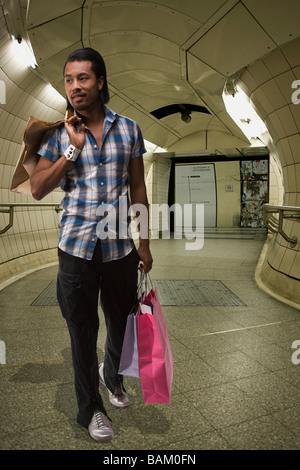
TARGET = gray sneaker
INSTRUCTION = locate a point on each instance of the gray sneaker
(99, 427)
(118, 398)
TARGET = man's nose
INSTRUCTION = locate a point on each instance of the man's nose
(76, 85)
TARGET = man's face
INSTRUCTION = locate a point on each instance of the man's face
(81, 85)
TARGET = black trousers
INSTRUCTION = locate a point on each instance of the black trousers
(79, 282)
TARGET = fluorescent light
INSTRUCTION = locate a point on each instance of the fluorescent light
(239, 107)
(24, 52)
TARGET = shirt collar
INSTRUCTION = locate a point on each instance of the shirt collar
(109, 115)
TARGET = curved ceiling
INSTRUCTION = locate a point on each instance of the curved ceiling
(165, 52)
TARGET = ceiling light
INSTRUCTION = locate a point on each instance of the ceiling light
(240, 109)
(24, 52)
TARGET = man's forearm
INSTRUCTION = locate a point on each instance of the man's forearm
(139, 198)
(140, 205)
(45, 179)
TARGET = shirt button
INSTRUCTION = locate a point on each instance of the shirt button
(102, 183)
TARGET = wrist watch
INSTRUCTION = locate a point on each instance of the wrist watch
(72, 153)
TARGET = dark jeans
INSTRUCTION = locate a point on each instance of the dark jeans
(78, 284)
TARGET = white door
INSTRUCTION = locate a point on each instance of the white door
(196, 184)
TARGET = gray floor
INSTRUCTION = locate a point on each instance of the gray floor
(235, 385)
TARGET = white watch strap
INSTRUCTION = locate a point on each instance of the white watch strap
(72, 153)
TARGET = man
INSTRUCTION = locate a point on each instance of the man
(96, 157)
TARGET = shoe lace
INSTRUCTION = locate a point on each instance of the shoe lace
(99, 418)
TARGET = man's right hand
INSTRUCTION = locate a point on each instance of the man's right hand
(76, 134)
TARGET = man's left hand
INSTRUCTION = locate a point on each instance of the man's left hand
(146, 258)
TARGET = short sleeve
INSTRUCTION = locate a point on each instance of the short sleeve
(138, 147)
(50, 146)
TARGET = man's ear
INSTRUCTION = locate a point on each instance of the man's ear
(100, 83)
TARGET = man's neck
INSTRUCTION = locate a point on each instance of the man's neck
(92, 117)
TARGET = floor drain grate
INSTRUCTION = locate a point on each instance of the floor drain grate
(171, 292)
(199, 292)
(47, 297)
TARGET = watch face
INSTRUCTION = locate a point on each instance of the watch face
(69, 153)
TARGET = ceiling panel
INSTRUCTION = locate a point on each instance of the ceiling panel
(141, 16)
(201, 10)
(160, 135)
(291, 52)
(160, 96)
(275, 17)
(56, 35)
(119, 63)
(204, 77)
(139, 116)
(276, 62)
(199, 121)
(41, 12)
(52, 67)
(144, 76)
(137, 41)
(150, 90)
(235, 41)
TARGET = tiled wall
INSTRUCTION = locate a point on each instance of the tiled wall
(269, 82)
(276, 189)
(35, 230)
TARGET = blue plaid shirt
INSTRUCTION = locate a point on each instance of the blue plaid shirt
(99, 176)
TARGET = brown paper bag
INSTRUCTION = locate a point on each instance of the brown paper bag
(28, 159)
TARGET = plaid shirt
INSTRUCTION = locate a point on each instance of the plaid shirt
(99, 176)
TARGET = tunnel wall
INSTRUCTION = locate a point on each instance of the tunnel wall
(32, 241)
(268, 83)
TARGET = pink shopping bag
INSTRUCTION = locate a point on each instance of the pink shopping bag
(156, 363)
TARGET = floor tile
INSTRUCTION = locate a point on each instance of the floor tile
(234, 387)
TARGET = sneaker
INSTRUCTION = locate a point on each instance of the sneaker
(99, 427)
(118, 398)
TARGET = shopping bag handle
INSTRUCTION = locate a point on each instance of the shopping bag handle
(141, 293)
(145, 280)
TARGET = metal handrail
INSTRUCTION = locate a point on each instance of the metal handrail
(275, 224)
(11, 206)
